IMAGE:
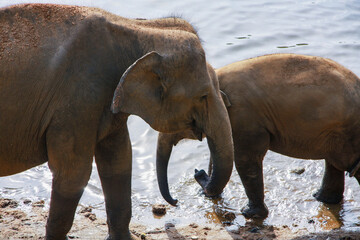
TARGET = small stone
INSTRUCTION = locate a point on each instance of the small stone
(159, 209)
(229, 216)
(86, 210)
(254, 230)
(72, 236)
(40, 203)
(8, 203)
(207, 228)
(143, 236)
(27, 201)
(90, 216)
(169, 225)
(311, 221)
(298, 171)
(194, 225)
(194, 237)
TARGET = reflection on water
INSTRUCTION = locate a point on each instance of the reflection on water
(231, 31)
(329, 216)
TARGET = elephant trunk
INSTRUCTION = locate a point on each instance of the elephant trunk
(219, 137)
(163, 153)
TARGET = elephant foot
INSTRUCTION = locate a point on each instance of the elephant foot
(328, 197)
(131, 237)
(255, 212)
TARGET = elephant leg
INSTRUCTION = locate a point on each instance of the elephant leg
(70, 164)
(332, 187)
(114, 162)
(250, 149)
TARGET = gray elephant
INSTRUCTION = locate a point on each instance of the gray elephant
(300, 106)
(70, 77)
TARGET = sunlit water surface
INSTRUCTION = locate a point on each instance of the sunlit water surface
(231, 31)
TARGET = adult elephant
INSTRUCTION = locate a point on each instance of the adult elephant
(61, 100)
(300, 106)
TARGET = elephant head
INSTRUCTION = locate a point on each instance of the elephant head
(176, 92)
(165, 143)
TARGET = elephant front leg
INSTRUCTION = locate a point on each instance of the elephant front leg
(113, 160)
(71, 169)
(332, 187)
(61, 213)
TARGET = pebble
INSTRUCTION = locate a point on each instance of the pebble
(298, 171)
(40, 203)
(8, 203)
(169, 225)
(159, 209)
(194, 225)
(230, 216)
(27, 201)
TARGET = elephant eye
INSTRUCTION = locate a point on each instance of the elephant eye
(203, 98)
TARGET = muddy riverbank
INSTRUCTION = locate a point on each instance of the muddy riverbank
(27, 220)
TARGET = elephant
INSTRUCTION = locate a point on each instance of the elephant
(301, 106)
(69, 78)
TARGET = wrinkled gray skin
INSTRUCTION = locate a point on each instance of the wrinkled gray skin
(61, 101)
(300, 106)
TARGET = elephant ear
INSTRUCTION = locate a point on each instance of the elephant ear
(225, 99)
(140, 87)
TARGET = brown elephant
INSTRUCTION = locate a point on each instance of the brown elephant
(300, 106)
(69, 78)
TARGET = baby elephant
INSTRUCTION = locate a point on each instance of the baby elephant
(300, 106)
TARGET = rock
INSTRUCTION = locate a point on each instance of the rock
(86, 210)
(159, 209)
(8, 203)
(169, 225)
(27, 201)
(90, 216)
(298, 171)
(230, 216)
(194, 225)
(40, 203)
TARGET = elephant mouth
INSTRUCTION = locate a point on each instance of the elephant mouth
(197, 132)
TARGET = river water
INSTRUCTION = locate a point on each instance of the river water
(231, 31)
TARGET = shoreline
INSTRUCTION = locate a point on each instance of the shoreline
(29, 223)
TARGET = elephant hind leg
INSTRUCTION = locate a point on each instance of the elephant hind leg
(332, 187)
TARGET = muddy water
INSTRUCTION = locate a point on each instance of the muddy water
(231, 31)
